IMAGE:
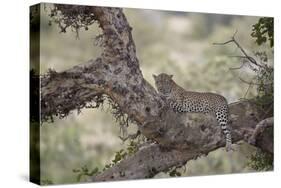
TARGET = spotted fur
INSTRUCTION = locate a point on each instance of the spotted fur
(181, 100)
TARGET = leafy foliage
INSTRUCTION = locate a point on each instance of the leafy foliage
(123, 153)
(264, 77)
(73, 17)
(84, 171)
(265, 91)
(261, 161)
(174, 173)
(119, 155)
(265, 88)
(262, 71)
(263, 31)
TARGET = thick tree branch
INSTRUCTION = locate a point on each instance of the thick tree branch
(206, 136)
(263, 135)
(116, 75)
(146, 163)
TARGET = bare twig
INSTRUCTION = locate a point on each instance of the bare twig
(223, 43)
(250, 85)
(236, 68)
(251, 59)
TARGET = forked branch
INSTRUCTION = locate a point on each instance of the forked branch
(245, 54)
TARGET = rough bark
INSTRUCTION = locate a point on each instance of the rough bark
(262, 136)
(205, 136)
(116, 74)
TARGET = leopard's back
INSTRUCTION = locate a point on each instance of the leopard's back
(196, 102)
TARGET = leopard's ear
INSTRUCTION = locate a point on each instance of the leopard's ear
(171, 76)
(154, 76)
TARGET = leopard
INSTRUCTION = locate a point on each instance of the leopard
(183, 101)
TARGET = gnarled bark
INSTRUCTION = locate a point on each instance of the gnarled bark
(204, 137)
(116, 74)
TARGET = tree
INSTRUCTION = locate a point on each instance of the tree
(116, 76)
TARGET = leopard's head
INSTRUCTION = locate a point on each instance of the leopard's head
(163, 83)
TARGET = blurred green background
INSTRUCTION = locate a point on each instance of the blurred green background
(177, 43)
